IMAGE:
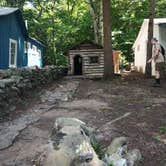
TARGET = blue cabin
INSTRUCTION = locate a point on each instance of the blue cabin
(14, 38)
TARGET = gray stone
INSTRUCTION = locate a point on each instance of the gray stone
(116, 144)
(6, 82)
(16, 78)
(70, 146)
(116, 160)
(133, 157)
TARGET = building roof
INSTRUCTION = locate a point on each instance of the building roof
(36, 41)
(4, 11)
(86, 45)
(7, 10)
(144, 29)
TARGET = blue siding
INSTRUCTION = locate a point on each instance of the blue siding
(11, 29)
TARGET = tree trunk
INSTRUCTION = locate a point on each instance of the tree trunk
(95, 23)
(148, 70)
(108, 54)
(95, 11)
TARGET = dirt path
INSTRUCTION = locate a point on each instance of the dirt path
(123, 107)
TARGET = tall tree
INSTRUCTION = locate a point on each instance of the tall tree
(150, 36)
(95, 7)
(108, 54)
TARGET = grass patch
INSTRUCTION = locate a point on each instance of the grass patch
(163, 130)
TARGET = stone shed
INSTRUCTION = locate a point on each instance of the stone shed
(87, 58)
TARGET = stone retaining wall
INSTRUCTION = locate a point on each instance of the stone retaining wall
(15, 84)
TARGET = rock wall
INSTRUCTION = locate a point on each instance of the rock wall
(16, 84)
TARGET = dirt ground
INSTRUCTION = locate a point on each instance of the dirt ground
(126, 106)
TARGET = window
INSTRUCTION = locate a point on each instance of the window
(94, 59)
(13, 53)
(29, 45)
(34, 48)
(25, 47)
(39, 51)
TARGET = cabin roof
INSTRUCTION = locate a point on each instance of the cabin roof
(86, 45)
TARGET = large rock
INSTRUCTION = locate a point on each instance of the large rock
(116, 145)
(118, 154)
(70, 146)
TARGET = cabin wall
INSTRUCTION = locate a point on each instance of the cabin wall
(95, 69)
(10, 29)
(92, 69)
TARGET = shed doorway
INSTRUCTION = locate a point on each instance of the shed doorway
(77, 65)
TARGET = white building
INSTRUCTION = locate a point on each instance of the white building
(140, 45)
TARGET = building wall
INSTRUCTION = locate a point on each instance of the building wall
(10, 29)
(140, 48)
(88, 69)
(96, 69)
(34, 55)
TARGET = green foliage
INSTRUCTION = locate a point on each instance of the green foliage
(98, 149)
(60, 24)
(162, 130)
(110, 165)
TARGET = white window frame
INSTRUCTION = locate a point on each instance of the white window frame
(25, 47)
(39, 51)
(34, 48)
(29, 45)
(15, 59)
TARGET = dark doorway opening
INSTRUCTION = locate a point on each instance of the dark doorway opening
(77, 65)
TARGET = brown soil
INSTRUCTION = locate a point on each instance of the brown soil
(102, 105)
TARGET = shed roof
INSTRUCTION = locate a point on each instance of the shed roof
(86, 45)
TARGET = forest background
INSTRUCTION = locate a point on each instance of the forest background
(61, 24)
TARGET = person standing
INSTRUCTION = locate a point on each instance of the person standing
(158, 59)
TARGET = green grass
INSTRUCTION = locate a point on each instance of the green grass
(163, 130)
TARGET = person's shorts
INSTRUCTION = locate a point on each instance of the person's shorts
(160, 66)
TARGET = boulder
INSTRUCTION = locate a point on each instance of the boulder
(70, 146)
